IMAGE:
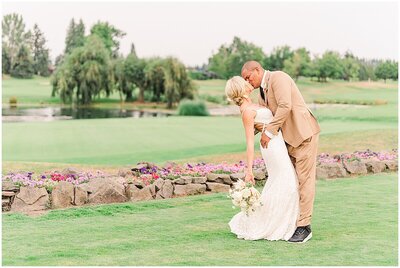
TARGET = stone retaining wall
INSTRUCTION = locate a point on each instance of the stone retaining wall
(124, 187)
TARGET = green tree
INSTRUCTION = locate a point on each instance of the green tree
(119, 80)
(59, 60)
(133, 50)
(75, 36)
(218, 62)
(329, 66)
(386, 70)
(63, 83)
(40, 52)
(155, 78)
(85, 73)
(351, 67)
(367, 70)
(23, 64)
(298, 64)
(395, 71)
(134, 74)
(14, 35)
(276, 60)
(109, 35)
(177, 83)
(5, 61)
(228, 61)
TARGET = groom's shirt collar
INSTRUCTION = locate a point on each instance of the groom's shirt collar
(264, 80)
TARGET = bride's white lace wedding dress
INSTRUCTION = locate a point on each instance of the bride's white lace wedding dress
(276, 219)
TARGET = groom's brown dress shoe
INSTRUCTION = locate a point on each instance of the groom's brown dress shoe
(301, 235)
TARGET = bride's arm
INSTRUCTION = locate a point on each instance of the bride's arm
(248, 123)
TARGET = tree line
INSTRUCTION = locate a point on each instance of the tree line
(91, 65)
(24, 52)
(228, 61)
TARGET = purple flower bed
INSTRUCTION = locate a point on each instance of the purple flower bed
(358, 156)
(49, 180)
(172, 170)
(152, 172)
(327, 158)
(368, 154)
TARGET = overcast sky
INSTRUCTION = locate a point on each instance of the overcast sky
(192, 31)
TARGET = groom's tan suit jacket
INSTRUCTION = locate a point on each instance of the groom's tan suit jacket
(286, 103)
(300, 131)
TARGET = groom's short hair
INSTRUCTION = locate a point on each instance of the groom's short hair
(251, 65)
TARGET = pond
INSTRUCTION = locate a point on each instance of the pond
(34, 114)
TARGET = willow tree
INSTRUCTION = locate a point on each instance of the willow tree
(155, 78)
(119, 81)
(135, 75)
(63, 84)
(177, 83)
(122, 83)
(88, 69)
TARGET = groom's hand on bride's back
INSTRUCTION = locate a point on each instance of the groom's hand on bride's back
(258, 127)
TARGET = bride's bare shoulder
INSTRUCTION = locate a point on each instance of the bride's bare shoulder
(248, 114)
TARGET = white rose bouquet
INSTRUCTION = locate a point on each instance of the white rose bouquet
(245, 196)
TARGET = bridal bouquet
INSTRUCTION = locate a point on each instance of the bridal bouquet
(245, 196)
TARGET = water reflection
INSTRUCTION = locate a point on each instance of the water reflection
(27, 114)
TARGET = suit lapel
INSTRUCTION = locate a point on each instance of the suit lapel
(268, 86)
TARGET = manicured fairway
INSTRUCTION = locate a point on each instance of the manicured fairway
(355, 223)
(128, 141)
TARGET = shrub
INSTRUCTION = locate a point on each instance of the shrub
(197, 75)
(190, 107)
(13, 101)
(380, 102)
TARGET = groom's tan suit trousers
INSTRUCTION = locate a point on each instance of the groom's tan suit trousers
(300, 131)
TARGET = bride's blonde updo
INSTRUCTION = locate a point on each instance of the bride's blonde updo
(235, 89)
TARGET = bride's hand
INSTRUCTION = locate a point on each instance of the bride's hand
(264, 140)
(249, 178)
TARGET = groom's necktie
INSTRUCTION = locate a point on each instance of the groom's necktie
(262, 93)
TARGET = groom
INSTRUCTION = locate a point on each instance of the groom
(300, 131)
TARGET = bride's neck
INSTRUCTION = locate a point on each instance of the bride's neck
(245, 103)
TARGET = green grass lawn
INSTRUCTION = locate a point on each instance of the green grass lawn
(354, 223)
(28, 91)
(128, 141)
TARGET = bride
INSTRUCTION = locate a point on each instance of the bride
(276, 219)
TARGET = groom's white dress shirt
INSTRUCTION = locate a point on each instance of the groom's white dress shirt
(264, 86)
